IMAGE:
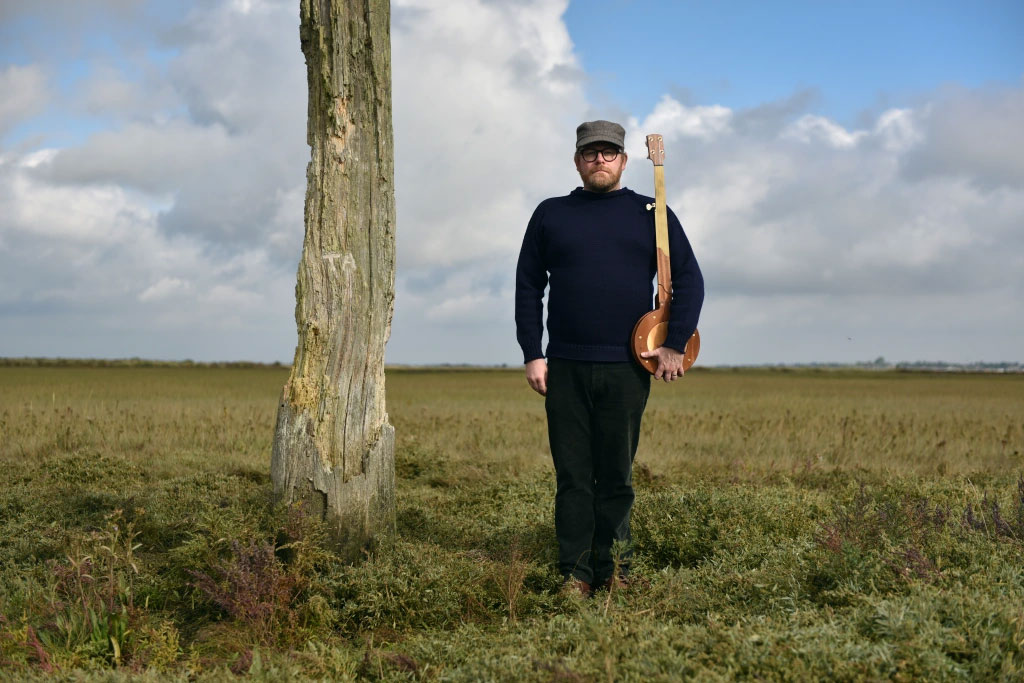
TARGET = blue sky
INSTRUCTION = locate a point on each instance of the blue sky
(851, 174)
(855, 56)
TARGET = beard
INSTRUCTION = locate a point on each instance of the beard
(601, 182)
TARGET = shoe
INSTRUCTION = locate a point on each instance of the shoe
(576, 588)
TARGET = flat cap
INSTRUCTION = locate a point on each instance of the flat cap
(600, 131)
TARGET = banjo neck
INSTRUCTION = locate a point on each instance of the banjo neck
(656, 153)
(651, 331)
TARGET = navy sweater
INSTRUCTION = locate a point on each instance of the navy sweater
(595, 250)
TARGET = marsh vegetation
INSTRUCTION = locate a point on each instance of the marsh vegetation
(800, 525)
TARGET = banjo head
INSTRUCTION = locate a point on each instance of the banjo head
(650, 333)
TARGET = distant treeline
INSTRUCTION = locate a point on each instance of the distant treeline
(870, 366)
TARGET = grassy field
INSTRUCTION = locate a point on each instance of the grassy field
(789, 525)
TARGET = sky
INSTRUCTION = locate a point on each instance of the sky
(851, 175)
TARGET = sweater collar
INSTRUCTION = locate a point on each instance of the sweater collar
(580, 193)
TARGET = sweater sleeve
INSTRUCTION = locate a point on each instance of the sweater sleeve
(531, 280)
(687, 287)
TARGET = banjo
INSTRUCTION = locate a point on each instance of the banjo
(652, 329)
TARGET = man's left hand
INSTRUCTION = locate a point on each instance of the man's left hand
(670, 363)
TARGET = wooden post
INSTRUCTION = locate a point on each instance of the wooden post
(333, 446)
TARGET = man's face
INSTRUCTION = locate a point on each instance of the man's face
(600, 175)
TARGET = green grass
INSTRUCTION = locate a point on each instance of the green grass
(794, 525)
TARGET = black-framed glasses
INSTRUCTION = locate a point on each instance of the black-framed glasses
(589, 155)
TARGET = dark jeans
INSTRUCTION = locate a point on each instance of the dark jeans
(594, 412)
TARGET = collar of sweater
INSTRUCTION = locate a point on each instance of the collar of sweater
(587, 194)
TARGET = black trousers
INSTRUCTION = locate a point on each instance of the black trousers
(594, 412)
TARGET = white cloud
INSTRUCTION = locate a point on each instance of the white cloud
(675, 120)
(153, 158)
(140, 95)
(87, 270)
(898, 130)
(94, 215)
(164, 288)
(811, 129)
(972, 134)
(486, 98)
(25, 93)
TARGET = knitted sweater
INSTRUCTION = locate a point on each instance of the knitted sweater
(595, 252)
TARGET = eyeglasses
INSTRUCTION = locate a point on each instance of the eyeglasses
(610, 154)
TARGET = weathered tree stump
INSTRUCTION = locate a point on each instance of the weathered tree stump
(333, 445)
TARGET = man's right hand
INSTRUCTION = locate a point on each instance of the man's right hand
(537, 375)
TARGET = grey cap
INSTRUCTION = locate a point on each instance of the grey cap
(600, 131)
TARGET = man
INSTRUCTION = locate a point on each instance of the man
(594, 250)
